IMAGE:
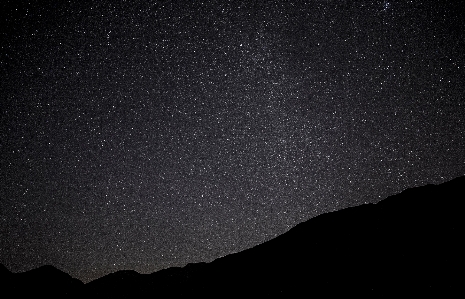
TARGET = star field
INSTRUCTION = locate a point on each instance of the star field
(150, 134)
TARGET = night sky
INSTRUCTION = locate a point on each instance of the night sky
(149, 134)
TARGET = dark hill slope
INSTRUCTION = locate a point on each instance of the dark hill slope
(43, 282)
(407, 243)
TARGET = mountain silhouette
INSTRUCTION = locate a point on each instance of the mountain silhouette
(408, 243)
(45, 281)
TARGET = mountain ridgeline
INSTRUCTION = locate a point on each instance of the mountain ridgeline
(409, 242)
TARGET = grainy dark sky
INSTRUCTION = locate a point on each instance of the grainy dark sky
(148, 134)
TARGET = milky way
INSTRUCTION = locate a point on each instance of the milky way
(144, 135)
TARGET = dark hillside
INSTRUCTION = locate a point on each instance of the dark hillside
(409, 242)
